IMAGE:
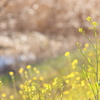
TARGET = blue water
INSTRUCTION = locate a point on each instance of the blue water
(6, 60)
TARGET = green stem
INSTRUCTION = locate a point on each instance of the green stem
(14, 85)
(97, 78)
(86, 59)
(96, 51)
(90, 41)
(90, 83)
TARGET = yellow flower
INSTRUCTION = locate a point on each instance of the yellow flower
(90, 54)
(28, 67)
(21, 70)
(47, 87)
(77, 78)
(88, 19)
(80, 30)
(43, 90)
(88, 92)
(21, 86)
(94, 23)
(73, 66)
(3, 95)
(11, 73)
(24, 97)
(34, 78)
(37, 71)
(41, 79)
(25, 72)
(33, 88)
(75, 61)
(67, 81)
(84, 49)
(67, 54)
(66, 92)
(11, 97)
(1, 82)
(29, 80)
(20, 92)
(34, 68)
(76, 73)
(73, 86)
(71, 75)
(54, 83)
(82, 83)
(86, 45)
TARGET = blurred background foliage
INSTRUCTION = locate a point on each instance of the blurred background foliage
(35, 30)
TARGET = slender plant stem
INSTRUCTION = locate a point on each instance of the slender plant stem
(90, 42)
(86, 59)
(90, 83)
(97, 62)
(97, 79)
(95, 48)
(96, 51)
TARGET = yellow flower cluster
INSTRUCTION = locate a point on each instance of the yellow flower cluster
(68, 82)
(67, 54)
(11, 73)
